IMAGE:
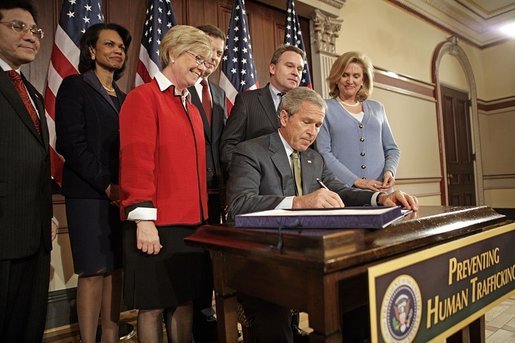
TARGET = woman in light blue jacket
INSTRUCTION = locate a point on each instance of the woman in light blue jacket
(355, 139)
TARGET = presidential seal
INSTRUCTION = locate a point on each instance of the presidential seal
(401, 310)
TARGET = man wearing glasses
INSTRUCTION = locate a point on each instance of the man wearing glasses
(26, 225)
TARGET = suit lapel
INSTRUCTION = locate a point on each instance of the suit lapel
(12, 96)
(91, 79)
(38, 102)
(266, 101)
(195, 100)
(218, 98)
(280, 160)
(308, 171)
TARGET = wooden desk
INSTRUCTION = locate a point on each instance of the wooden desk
(320, 271)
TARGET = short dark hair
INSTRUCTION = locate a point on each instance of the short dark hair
(89, 39)
(23, 4)
(281, 49)
(212, 31)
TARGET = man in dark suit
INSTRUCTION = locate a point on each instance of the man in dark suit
(262, 178)
(255, 112)
(26, 226)
(210, 100)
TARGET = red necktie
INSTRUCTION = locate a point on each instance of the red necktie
(206, 100)
(20, 88)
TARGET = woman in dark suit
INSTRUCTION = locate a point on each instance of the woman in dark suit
(86, 122)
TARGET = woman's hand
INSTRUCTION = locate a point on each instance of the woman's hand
(388, 180)
(375, 185)
(147, 237)
(113, 193)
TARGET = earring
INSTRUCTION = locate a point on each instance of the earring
(173, 61)
(92, 57)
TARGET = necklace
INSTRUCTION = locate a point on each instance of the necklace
(350, 105)
(110, 90)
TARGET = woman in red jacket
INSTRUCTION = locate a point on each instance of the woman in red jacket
(164, 190)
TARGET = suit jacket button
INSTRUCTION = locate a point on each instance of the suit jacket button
(363, 166)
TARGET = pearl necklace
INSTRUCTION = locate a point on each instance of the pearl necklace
(346, 104)
(110, 90)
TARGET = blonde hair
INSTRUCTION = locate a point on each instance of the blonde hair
(339, 67)
(182, 38)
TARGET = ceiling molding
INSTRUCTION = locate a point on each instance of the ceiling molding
(477, 21)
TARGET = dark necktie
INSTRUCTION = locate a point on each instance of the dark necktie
(280, 95)
(206, 100)
(297, 171)
(22, 91)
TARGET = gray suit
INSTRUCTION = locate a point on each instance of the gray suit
(261, 177)
(253, 115)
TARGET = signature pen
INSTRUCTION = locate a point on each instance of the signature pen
(321, 183)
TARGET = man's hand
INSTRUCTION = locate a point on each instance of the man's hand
(408, 202)
(147, 238)
(321, 198)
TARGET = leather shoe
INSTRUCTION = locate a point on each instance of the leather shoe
(299, 335)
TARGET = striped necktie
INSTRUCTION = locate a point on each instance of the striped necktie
(22, 91)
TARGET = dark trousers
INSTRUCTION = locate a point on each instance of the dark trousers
(270, 322)
(200, 329)
(24, 297)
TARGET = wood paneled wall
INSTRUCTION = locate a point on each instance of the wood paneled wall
(266, 28)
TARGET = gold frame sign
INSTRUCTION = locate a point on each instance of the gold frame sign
(431, 294)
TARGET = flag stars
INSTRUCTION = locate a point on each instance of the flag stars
(86, 20)
(70, 14)
(88, 8)
(72, 2)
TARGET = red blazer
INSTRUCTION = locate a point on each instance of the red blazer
(162, 156)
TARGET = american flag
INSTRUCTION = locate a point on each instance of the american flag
(76, 16)
(158, 20)
(238, 70)
(293, 36)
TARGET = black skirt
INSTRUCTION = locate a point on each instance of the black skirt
(95, 236)
(167, 279)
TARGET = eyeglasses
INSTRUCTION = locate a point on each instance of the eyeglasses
(198, 60)
(20, 26)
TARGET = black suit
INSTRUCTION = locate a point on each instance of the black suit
(25, 216)
(253, 115)
(88, 139)
(212, 134)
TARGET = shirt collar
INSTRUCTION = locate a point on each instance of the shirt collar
(6, 67)
(164, 83)
(287, 146)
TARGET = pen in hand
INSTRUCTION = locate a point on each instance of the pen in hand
(321, 183)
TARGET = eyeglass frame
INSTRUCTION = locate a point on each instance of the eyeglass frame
(198, 60)
(19, 26)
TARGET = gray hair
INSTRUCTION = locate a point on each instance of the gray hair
(293, 100)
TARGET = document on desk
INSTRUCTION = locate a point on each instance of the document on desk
(347, 217)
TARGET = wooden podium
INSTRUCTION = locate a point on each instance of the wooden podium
(320, 271)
